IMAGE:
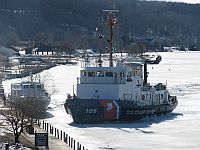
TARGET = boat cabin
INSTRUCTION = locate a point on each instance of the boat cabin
(30, 89)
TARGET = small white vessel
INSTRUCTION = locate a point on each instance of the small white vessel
(30, 92)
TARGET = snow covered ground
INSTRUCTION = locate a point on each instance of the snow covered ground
(178, 130)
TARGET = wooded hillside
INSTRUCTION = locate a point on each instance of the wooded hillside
(75, 20)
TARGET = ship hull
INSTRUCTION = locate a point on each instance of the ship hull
(99, 111)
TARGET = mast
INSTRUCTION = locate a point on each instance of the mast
(100, 36)
(100, 61)
(111, 21)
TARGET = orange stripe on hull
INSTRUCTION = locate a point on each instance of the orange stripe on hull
(110, 110)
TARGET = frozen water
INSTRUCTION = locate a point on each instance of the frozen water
(178, 130)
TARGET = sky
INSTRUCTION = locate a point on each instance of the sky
(184, 1)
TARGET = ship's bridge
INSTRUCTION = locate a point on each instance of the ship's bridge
(103, 75)
(120, 82)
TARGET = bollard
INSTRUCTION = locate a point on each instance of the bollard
(83, 148)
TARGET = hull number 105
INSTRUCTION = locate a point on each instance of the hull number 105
(91, 111)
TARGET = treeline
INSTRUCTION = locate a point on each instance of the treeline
(74, 21)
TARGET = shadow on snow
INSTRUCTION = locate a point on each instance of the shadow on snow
(138, 124)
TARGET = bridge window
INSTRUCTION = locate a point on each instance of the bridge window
(121, 74)
(129, 74)
(100, 74)
(134, 72)
(91, 74)
(83, 73)
(109, 74)
(26, 86)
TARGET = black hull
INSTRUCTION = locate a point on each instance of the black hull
(99, 111)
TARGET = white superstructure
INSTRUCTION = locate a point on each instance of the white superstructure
(125, 81)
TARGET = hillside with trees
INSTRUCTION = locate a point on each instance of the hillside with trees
(74, 22)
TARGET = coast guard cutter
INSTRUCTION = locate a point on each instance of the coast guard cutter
(117, 92)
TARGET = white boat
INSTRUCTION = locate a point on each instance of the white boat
(30, 92)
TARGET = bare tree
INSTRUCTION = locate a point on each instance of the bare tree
(18, 115)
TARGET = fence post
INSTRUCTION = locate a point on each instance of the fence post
(66, 138)
(69, 141)
(55, 132)
(61, 135)
(58, 133)
(80, 147)
(77, 145)
(74, 145)
(47, 127)
(52, 130)
(43, 124)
